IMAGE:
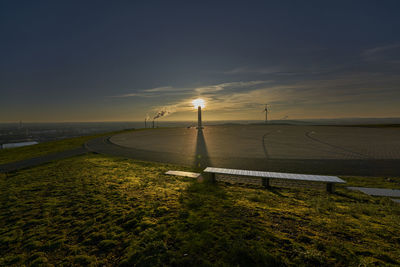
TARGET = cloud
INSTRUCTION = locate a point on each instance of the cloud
(159, 89)
(271, 71)
(229, 85)
(386, 53)
(299, 97)
(246, 70)
(140, 94)
(126, 95)
(195, 91)
(210, 93)
(153, 92)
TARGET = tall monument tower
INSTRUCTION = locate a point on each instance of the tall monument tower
(199, 123)
(199, 103)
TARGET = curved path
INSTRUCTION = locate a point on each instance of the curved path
(27, 163)
(305, 149)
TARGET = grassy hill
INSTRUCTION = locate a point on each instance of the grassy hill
(27, 152)
(106, 211)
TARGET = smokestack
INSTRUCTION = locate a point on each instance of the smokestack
(145, 122)
(153, 123)
(199, 124)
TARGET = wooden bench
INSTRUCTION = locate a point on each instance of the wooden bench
(266, 177)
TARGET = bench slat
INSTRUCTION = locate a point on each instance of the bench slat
(279, 175)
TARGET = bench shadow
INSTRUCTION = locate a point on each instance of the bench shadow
(202, 159)
(275, 191)
(346, 195)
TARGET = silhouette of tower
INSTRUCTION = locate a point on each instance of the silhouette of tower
(199, 123)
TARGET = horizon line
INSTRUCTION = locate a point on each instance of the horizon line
(131, 121)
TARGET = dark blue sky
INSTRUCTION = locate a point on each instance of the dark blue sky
(121, 60)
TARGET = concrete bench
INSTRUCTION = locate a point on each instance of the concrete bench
(267, 177)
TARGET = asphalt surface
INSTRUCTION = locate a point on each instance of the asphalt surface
(378, 191)
(302, 149)
(23, 164)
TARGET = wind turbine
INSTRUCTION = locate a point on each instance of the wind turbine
(266, 110)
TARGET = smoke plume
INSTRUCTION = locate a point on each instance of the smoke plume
(161, 113)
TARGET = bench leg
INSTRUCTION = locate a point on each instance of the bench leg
(265, 182)
(212, 177)
(330, 187)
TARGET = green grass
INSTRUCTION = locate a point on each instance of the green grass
(381, 182)
(27, 152)
(105, 211)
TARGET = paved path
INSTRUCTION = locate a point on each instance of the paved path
(271, 141)
(14, 166)
(378, 191)
(280, 148)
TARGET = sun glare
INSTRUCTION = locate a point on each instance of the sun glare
(199, 103)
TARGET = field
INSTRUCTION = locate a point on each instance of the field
(107, 211)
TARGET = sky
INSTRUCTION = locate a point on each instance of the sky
(125, 60)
